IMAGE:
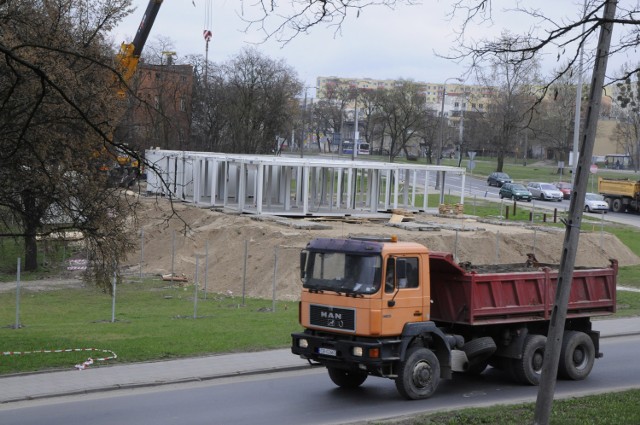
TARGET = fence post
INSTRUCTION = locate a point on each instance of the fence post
(141, 250)
(244, 271)
(113, 298)
(498, 247)
(17, 326)
(455, 247)
(206, 267)
(195, 291)
(173, 254)
(275, 274)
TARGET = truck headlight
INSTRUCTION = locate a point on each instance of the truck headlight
(357, 351)
(303, 343)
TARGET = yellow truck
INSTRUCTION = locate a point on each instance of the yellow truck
(622, 195)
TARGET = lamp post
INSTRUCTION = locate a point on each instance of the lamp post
(442, 125)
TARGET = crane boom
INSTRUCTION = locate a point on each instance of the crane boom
(129, 54)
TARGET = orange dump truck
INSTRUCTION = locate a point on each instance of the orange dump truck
(393, 309)
(621, 194)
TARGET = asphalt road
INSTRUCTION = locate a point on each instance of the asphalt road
(477, 188)
(309, 397)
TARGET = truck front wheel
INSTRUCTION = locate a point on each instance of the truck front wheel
(419, 374)
(576, 356)
(529, 368)
(346, 378)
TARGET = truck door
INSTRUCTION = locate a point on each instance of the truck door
(402, 299)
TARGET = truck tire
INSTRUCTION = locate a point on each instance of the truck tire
(478, 352)
(527, 369)
(479, 347)
(616, 205)
(346, 378)
(608, 201)
(576, 356)
(419, 374)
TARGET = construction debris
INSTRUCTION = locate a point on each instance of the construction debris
(175, 278)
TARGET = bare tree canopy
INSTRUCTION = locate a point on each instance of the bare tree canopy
(283, 20)
(245, 104)
(58, 107)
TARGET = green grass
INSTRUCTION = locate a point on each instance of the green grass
(605, 409)
(153, 321)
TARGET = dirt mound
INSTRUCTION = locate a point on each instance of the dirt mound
(225, 236)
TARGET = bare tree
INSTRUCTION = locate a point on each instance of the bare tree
(57, 103)
(245, 103)
(512, 79)
(553, 122)
(628, 127)
(403, 111)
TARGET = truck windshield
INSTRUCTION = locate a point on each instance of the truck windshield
(343, 272)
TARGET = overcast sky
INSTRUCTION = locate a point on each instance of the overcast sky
(380, 43)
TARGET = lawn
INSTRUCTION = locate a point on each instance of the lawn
(619, 408)
(153, 321)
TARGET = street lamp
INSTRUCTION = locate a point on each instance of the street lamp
(442, 124)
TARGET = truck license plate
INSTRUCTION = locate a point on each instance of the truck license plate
(327, 351)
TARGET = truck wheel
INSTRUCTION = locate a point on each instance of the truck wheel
(616, 205)
(576, 356)
(346, 378)
(527, 370)
(608, 201)
(419, 374)
(479, 348)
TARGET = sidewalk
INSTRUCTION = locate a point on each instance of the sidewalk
(33, 386)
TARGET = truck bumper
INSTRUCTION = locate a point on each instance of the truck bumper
(345, 352)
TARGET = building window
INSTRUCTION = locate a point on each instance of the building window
(183, 104)
(156, 100)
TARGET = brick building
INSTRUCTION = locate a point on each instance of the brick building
(159, 115)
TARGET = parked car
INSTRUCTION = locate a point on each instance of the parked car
(595, 203)
(498, 179)
(545, 191)
(515, 191)
(565, 188)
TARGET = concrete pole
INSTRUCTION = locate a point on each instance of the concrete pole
(546, 390)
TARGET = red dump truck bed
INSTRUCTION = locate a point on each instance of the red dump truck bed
(483, 297)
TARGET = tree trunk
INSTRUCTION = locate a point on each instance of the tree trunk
(500, 165)
(30, 252)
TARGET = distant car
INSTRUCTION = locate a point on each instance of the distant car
(565, 188)
(515, 191)
(545, 191)
(498, 179)
(595, 203)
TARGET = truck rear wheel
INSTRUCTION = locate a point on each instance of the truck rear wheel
(576, 356)
(529, 368)
(346, 378)
(419, 374)
(616, 205)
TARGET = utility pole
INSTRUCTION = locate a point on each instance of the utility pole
(555, 334)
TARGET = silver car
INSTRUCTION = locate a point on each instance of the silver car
(595, 203)
(545, 191)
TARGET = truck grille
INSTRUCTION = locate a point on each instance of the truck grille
(332, 317)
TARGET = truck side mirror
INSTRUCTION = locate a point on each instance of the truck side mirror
(303, 263)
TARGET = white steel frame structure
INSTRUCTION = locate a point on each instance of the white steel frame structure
(292, 186)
